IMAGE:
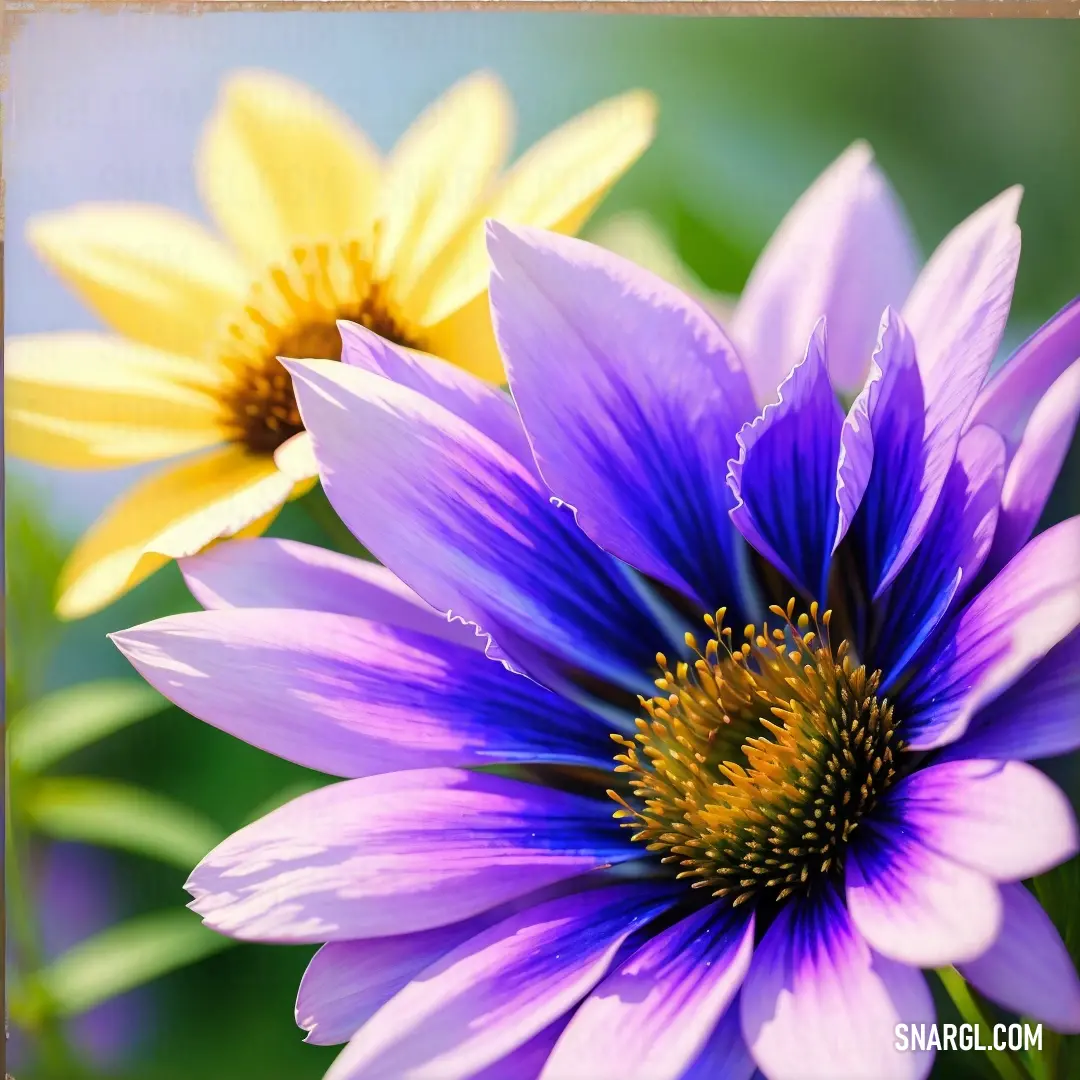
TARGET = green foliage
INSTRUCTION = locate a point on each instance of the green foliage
(1059, 1058)
(318, 508)
(33, 556)
(1004, 1064)
(1059, 893)
(44, 729)
(126, 956)
(95, 811)
(61, 722)
(284, 795)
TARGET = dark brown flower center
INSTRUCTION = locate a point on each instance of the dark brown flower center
(294, 313)
(754, 765)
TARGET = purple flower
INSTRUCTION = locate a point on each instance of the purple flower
(818, 805)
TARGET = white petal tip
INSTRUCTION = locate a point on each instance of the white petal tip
(859, 152)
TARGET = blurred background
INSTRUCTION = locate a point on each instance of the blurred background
(104, 106)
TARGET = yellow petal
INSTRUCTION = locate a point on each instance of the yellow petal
(560, 180)
(466, 339)
(555, 185)
(149, 273)
(278, 165)
(91, 401)
(441, 167)
(169, 515)
(302, 487)
(295, 457)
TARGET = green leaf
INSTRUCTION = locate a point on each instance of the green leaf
(125, 956)
(111, 814)
(35, 554)
(284, 795)
(67, 720)
(1003, 1061)
(337, 532)
(1057, 891)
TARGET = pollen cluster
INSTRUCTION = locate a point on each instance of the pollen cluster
(755, 763)
(293, 312)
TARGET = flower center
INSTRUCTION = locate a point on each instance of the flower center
(294, 313)
(757, 762)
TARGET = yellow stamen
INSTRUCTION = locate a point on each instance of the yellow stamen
(293, 312)
(756, 764)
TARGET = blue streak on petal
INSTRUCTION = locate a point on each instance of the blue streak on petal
(784, 479)
(957, 540)
(892, 436)
(526, 561)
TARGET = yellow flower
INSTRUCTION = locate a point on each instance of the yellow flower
(317, 227)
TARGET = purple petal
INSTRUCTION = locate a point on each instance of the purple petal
(1028, 969)
(1004, 819)
(1009, 399)
(271, 573)
(652, 1018)
(527, 1061)
(398, 853)
(471, 529)
(784, 479)
(889, 489)
(725, 1055)
(1037, 717)
(844, 251)
(485, 407)
(501, 988)
(959, 304)
(1035, 465)
(347, 981)
(820, 1004)
(1023, 613)
(915, 905)
(881, 448)
(630, 393)
(957, 541)
(956, 314)
(353, 698)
